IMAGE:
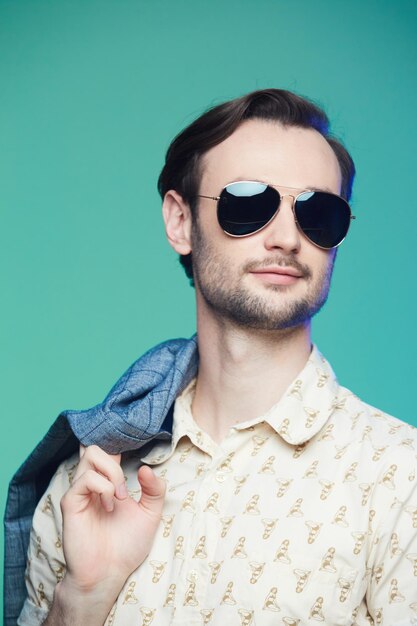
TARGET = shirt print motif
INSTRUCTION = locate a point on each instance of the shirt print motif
(305, 515)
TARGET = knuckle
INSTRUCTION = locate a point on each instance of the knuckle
(90, 475)
(119, 473)
(114, 469)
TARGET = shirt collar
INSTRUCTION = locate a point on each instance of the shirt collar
(300, 414)
(308, 402)
(183, 425)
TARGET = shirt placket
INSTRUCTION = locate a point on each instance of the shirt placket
(215, 490)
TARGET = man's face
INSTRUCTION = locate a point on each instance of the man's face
(243, 279)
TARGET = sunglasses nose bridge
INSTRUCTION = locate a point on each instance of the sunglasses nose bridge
(293, 199)
(287, 195)
(283, 231)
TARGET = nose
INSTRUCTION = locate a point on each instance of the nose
(282, 233)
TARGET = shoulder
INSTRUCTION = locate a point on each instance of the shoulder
(383, 428)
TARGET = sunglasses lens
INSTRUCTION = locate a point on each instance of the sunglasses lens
(246, 207)
(323, 217)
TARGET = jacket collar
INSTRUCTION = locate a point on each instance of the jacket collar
(138, 407)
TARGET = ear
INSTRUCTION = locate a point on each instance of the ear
(177, 218)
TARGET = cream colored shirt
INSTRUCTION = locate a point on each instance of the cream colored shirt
(304, 515)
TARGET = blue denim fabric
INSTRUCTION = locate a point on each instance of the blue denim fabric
(137, 410)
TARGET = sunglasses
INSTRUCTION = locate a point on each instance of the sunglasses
(246, 207)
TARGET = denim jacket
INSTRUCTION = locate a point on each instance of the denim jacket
(136, 410)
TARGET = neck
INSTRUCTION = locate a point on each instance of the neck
(243, 372)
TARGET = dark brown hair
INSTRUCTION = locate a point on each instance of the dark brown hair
(182, 169)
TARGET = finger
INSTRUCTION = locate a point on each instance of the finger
(106, 464)
(153, 489)
(89, 483)
(82, 450)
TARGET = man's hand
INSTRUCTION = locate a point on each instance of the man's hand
(106, 534)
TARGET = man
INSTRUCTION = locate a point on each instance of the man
(280, 497)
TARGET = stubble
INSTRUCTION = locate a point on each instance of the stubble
(228, 297)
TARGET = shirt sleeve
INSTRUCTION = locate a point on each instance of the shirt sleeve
(392, 588)
(46, 564)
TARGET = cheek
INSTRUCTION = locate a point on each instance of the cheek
(320, 265)
(206, 218)
(206, 233)
(320, 261)
(210, 243)
(326, 271)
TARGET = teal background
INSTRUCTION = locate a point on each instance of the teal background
(91, 94)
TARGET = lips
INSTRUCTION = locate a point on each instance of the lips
(278, 275)
(282, 271)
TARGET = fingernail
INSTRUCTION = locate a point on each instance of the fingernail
(121, 491)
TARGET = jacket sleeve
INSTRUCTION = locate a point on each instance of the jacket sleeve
(46, 563)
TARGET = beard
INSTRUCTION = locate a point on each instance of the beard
(229, 299)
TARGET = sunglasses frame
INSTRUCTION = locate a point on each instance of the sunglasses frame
(281, 197)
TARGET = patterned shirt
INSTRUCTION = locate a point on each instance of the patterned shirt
(303, 515)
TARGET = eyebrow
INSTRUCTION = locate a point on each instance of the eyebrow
(311, 188)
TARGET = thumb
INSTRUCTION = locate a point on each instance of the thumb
(153, 489)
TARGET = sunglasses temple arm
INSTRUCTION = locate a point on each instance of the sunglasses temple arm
(199, 195)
